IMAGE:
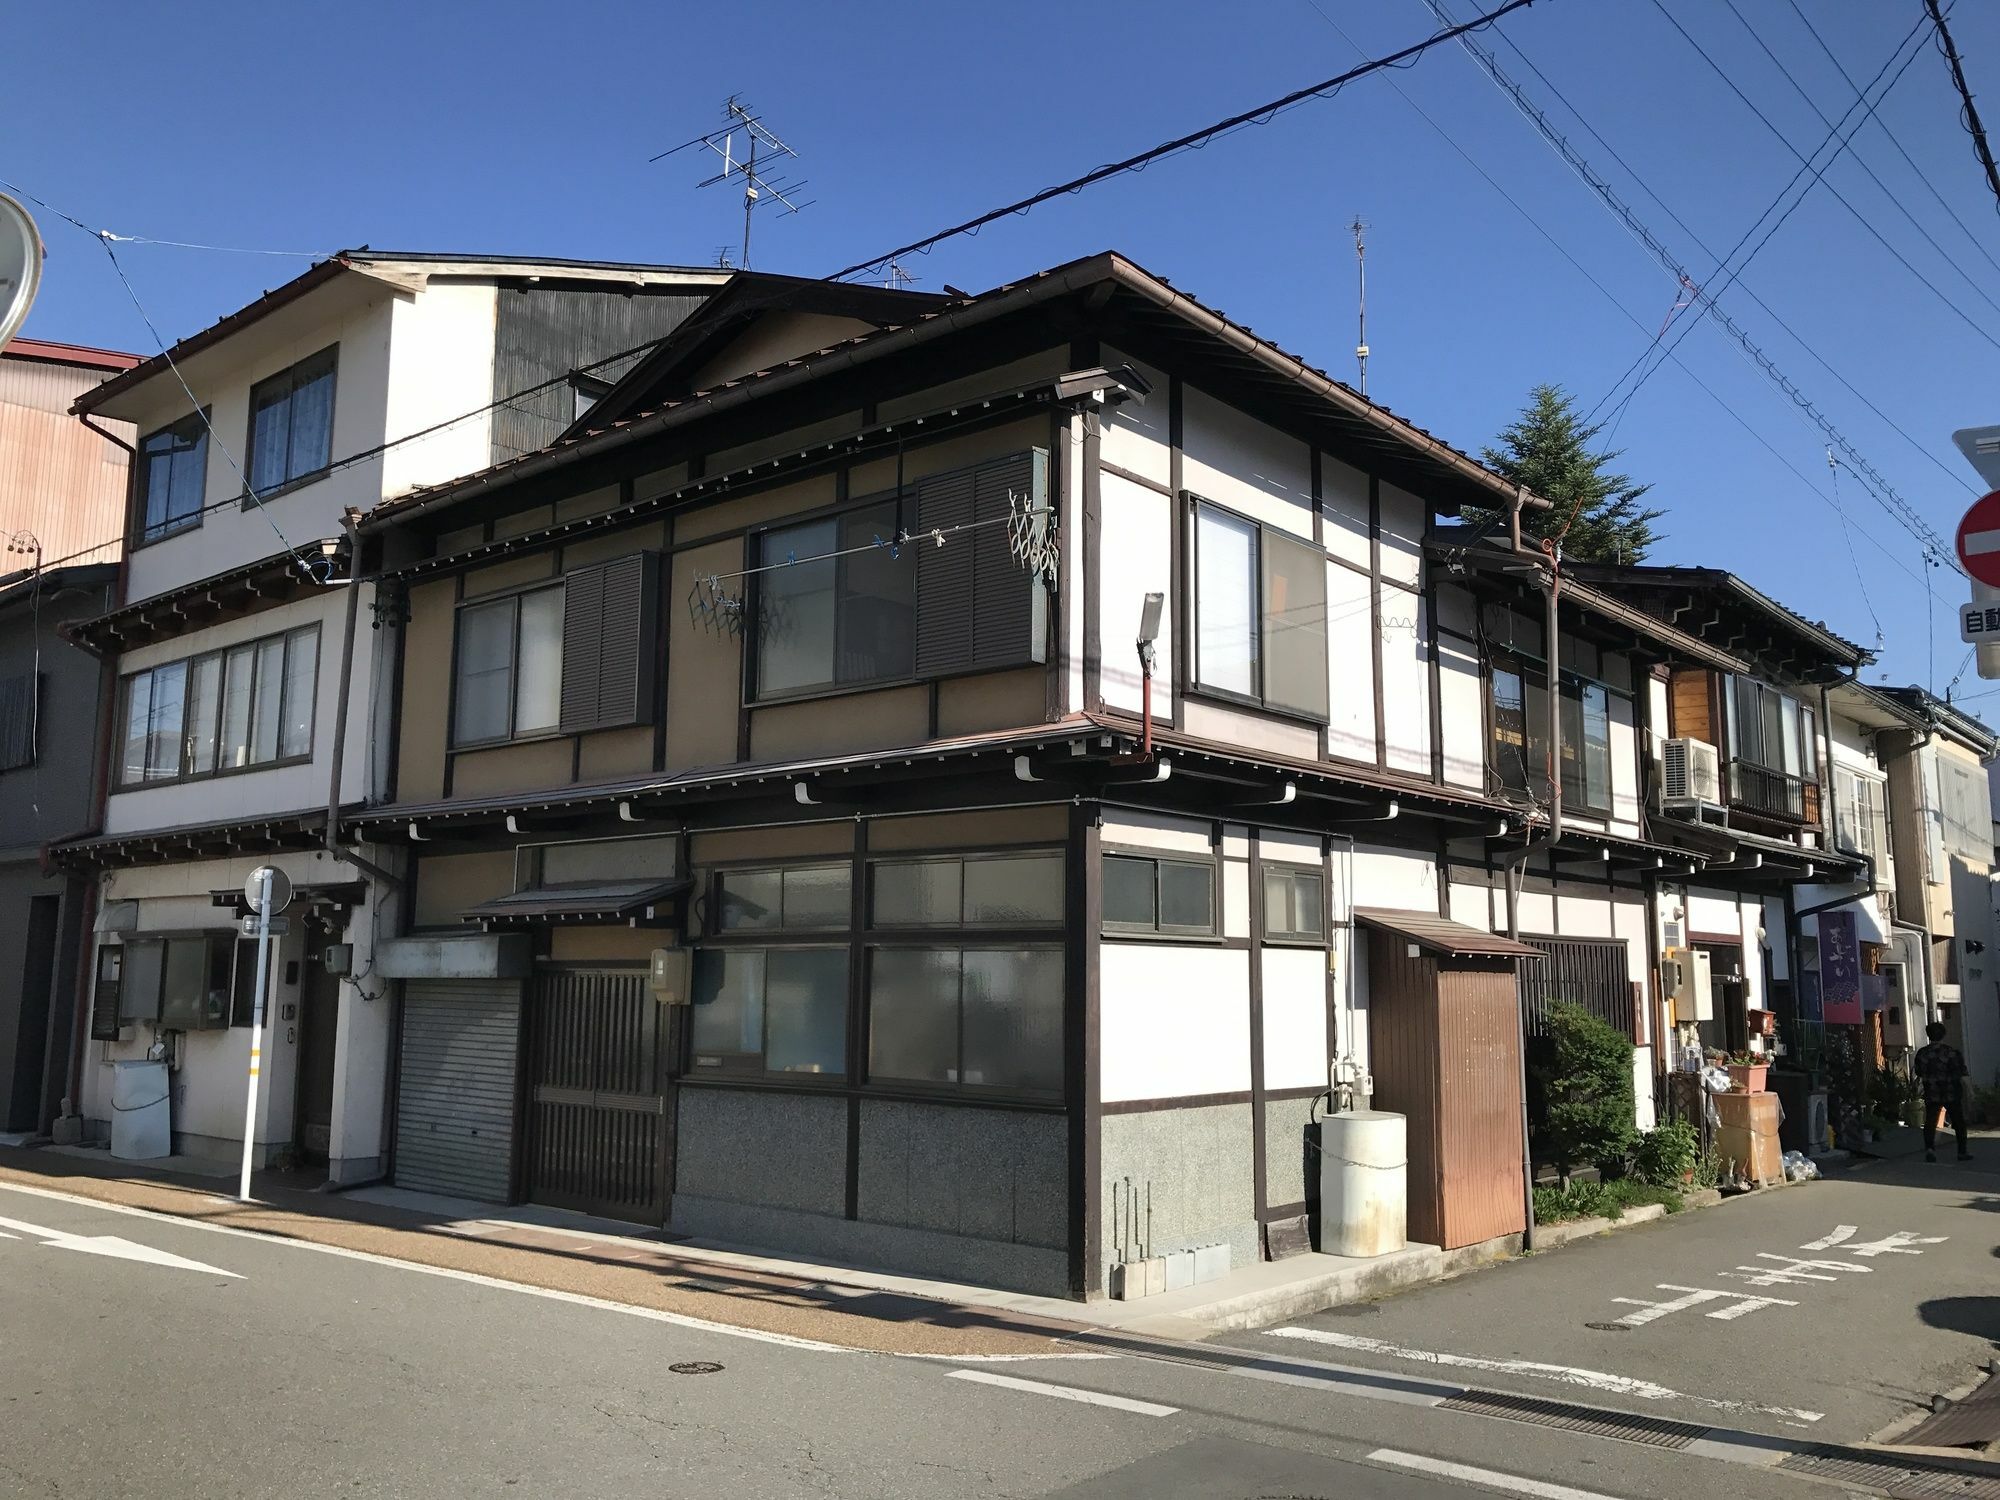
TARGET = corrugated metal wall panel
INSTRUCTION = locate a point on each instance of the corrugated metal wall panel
(455, 1096)
(1479, 1052)
(1403, 1056)
(58, 479)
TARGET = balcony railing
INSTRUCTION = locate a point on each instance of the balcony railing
(1773, 793)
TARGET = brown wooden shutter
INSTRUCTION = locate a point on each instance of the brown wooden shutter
(610, 631)
(978, 608)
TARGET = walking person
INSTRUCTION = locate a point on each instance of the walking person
(1940, 1068)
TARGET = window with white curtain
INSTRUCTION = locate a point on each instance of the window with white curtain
(291, 423)
(236, 709)
(168, 476)
(510, 653)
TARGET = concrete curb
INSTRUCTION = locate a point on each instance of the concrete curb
(1415, 1266)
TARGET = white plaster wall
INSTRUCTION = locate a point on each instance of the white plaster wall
(1343, 504)
(1294, 1000)
(1462, 703)
(1536, 906)
(1477, 906)
(1404, 518)
(1642, 1087)
(1583, 911)
(1173, 1019)
(1236, 461)
(1625, 751)
(230, 536)
(208, 1088)
(1397, 878)
(1282, 846)
(1406, 680)
(1135, 559)
(1657, 714)
(1148, 830)
(282, 789)
(1136, 435)
(1350, 665)
(440, 367)
(1070, 470)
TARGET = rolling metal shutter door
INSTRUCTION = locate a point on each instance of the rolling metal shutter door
(455, 1098)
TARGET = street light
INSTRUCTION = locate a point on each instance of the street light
(1149, 631)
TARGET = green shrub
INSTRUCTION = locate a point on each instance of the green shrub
(1578, 1199)
(1708, 1169)
(1590, 1102)
(1666, 1155)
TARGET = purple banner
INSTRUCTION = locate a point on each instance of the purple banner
(1839, 968)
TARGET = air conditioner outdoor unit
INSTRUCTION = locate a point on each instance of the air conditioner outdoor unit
(1690, 774)
(1685, 973)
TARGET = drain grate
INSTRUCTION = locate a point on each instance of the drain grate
(1654, 1432)
(1900, 1478)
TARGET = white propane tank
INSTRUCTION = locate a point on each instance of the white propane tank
(1364, 1168)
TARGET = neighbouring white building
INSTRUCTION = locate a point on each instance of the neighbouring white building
(370, 374)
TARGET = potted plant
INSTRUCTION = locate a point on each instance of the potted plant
(1747, 1071)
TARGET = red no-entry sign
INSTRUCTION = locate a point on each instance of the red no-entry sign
(1979, 539)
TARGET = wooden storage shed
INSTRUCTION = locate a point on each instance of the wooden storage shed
(1444, 1045)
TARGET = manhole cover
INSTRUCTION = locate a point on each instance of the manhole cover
(1610, 1327)
(695, 1367)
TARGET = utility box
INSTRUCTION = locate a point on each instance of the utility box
(1685, 972)
(141, 1114)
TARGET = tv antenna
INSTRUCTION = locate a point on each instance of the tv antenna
(1359, 228)
(896, 279)
(742, 137)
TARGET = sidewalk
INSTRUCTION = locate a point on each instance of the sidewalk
(737, 1286)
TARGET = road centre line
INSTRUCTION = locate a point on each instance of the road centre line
(1066, 1393)
(1596, 1380)
(1542, 1489)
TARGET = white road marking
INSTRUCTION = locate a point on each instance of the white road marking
(1066, 1393)
(655, 1315)
(1596, 1380)
(1695, 1297)
(110, 1245)
(1542, 1489)
(1841, 1232)
(1898, 1243)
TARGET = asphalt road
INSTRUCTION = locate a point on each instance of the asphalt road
(1862, 1329)
(243, 1366)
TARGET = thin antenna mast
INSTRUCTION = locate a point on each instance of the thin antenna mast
(758, 187)
(1359, 228)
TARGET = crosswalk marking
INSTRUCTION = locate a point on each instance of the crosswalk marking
(1066, 1393)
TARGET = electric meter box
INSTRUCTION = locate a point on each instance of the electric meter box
(671, 976)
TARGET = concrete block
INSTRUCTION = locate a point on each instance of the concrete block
(471, 955)
(1180, 1269)
(1133, 1279)
(1211, 1262)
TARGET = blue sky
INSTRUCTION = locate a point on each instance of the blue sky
(526, 129)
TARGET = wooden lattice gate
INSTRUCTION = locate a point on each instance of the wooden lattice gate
(600, 1133)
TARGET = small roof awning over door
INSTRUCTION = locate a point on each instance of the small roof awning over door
(599, 901)
(1441, 935)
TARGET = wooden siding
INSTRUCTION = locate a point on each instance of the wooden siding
(1444, 1048)
(541, 333)
(1692, 699)
(58, 479)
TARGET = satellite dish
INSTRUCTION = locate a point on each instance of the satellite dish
(20, 266)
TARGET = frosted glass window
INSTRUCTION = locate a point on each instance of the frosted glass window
(807, 897)
(510, 656)
(538, 688)
(204, 711)
(977, 1017)
(918, 893)
(825, 620)
(301, 676)
(1014, 890)
(1226, 602)
(237, 673)
(913, 1015)
(266, 706)
(770, 1010)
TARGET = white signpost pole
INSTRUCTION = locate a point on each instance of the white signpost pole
(262, 901)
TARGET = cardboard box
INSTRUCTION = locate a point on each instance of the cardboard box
(1758, 1112)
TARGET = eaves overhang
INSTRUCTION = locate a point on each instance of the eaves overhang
(246, 590)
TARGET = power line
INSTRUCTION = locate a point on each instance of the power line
(1968, 112)
(1920, 174)
(1262, 114)
(1861, 161)
(1839, 197)
(1952, 472)
(1778, 206)
(1848, 526)
(1884, 493)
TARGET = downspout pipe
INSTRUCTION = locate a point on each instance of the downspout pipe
(1514, 863)
(368, 867)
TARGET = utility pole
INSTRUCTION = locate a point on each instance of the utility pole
(1359, 228)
